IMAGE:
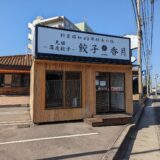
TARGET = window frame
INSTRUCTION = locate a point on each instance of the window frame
(80, 75)
(64, 90)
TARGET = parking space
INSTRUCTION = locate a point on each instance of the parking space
(57, 141)
(74, 140)
(14, 109)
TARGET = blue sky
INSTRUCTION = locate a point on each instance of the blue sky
(103, 16)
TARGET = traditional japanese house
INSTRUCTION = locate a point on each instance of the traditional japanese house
(15, 74)
(77, 75)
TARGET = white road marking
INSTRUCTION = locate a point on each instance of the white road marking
(48, 138)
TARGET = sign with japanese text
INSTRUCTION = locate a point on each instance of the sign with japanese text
(61, 42)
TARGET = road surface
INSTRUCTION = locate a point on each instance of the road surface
(144, 143)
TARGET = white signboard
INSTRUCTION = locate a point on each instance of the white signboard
(71, 43)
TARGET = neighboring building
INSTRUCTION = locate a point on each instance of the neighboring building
(15, 74)
(58, 22)
(83, 26)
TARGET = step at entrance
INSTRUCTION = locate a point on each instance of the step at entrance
(108, 120)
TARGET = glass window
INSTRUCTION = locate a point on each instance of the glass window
(135, 85)
(54, 89)
(25, 80)
(16, 80)
(1, 80)
(117, 92)
(7, 80)
(73, 89)
(63, 89)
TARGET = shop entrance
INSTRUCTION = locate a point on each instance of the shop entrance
(110, 95)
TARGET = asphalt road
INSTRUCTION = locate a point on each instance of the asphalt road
(61, 141)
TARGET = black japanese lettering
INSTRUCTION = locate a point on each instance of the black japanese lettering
(68, 35)
(107, 41)
(83, 47)
(74, 36)
(57, 42)
(51, 47)
(79, 37)
(87, 38)
(97, 39)
(92, 38)
(62, 48)
(123, 51)
(114, 51)
(68, 49)
(94, 49)
(62, 42)
(57, 48)
(62, 35)
(111, 41)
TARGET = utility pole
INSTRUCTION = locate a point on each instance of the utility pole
(139, 35)
(156, 77)
(148, 74)
(150, 80)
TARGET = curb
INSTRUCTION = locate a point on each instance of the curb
(19, 124)
(117, 147)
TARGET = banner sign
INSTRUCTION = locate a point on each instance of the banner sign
(61, 42)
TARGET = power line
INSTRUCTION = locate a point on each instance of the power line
(144, 17)
(152, 19)
(135, 11)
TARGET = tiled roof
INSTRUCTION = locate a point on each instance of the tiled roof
(24, 61)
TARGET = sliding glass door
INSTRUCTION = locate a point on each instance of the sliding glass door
(117, 92)
(110, 91)
(102, 92)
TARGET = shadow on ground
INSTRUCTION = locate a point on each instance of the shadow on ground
(144, 122)
(77, 155)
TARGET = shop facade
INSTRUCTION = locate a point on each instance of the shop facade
(79, 76)
(15, 74)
